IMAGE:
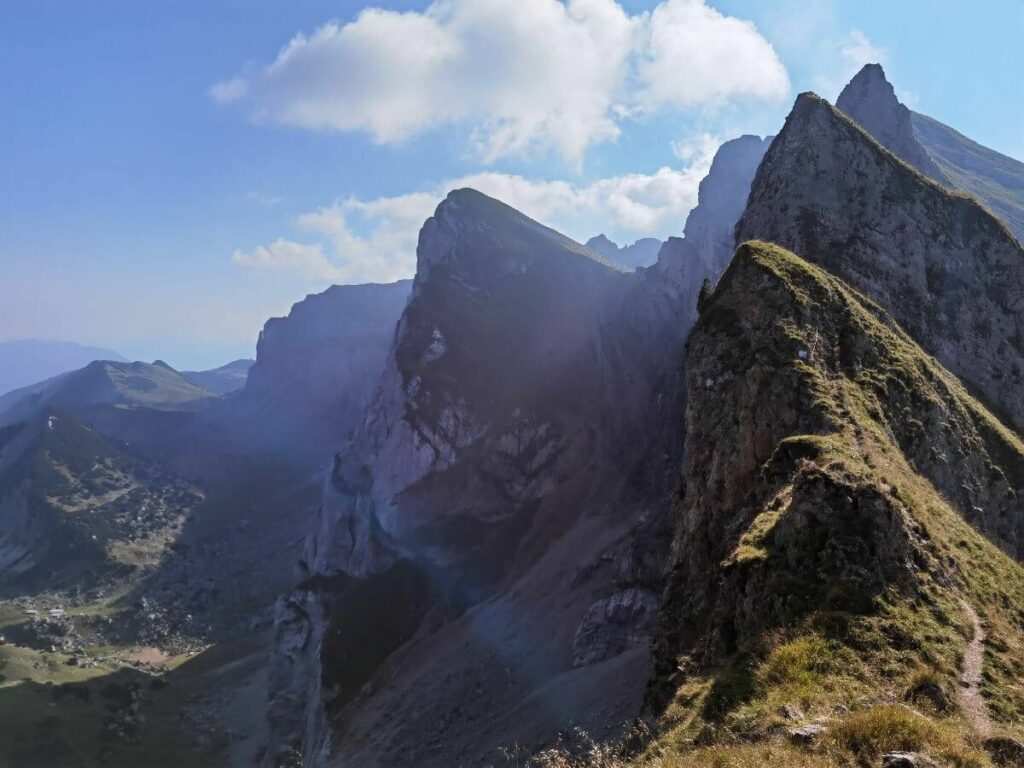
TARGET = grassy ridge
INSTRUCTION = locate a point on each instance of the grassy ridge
(844, 575)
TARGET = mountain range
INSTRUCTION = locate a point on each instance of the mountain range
(748, 495)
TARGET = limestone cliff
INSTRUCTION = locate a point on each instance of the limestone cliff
(515, 461)
(947, 270)
(870, 101)
(317, 368)
(708, 237)
(934, 149)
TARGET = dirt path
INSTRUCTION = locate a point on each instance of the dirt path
(970, 676)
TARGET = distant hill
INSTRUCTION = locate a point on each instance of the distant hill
(27, 361)
(642, 253)
(104, 384)
(227, 378)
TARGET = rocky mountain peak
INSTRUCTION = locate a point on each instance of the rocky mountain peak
(316, 368)
(870, 101)
(492, 239)
(708, 241)
(848, 471)
(721, 195)
(949, 272)
(601, 243)
(642, 253)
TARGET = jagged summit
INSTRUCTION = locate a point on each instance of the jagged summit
(642, 253)
(870, 101)
(601, 242)
(708, 236)
(949, 272)
(472, 216)
(526, 378)
(934, 149)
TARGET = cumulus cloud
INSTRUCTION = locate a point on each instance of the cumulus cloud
(375, 239)
(854, 51)
(554, 75)
(857, 50)
(690, 54)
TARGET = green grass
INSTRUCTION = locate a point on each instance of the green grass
(42, 726)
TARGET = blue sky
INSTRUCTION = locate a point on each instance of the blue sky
(169, 178)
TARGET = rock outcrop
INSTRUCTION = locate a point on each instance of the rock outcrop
(708, 238)
(949, 272)
(317, 368)
(936, 150)
(870, 101)
(642, 253)
(828, 494)
(517, 457)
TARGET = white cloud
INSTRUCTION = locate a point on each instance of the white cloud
(375, 240)
(693, 55)
(854, 51)
(857, 50)
(910, 98)
(554, 75)
(286, 254)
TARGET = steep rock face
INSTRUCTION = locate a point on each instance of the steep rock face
(642, 253)
(316, 369)
(824, 495)
(870, 101)
(516, 458)
(936, 150)
(708, 238)
(488, 279)
(950, 273)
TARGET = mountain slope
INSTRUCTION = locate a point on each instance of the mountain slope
(315, 370)
(107, 384)
(947, 270)
(995, 179)
(934, 149)
(821, 569)
(500, 496)
(76, 505)
(27, 361)
(226, 378)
